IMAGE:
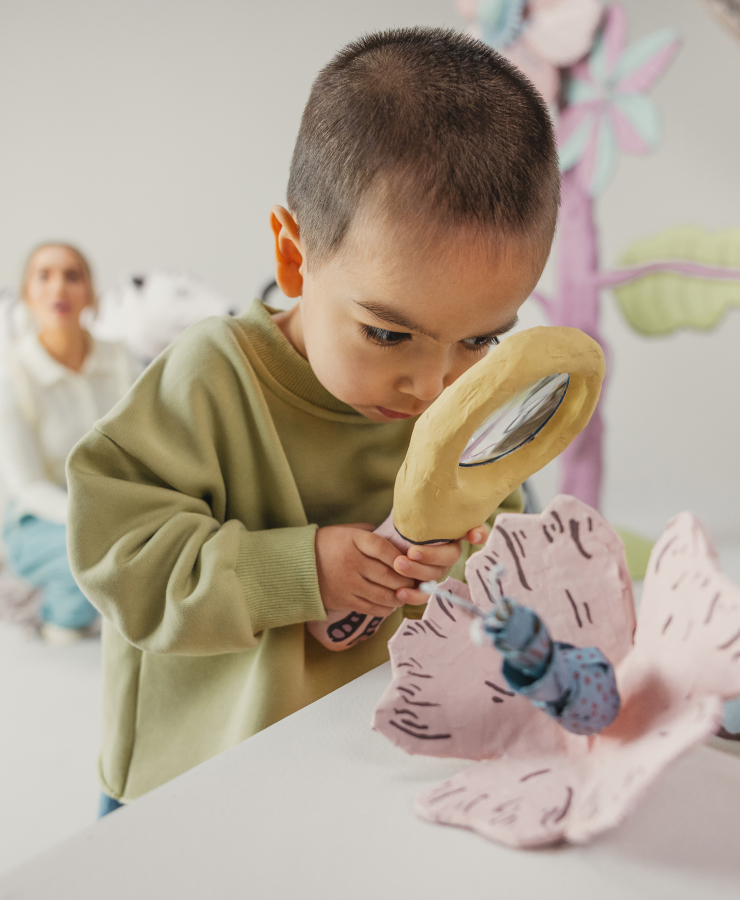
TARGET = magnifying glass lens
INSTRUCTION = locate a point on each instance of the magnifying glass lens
(517, 422)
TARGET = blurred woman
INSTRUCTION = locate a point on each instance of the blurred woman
(55, 382)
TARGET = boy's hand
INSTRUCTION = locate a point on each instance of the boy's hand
(431, 562)
(364, 572)
(355, 569)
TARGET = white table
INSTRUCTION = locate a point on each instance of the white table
(319, 806)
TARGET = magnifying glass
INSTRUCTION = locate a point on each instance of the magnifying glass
(508, 416)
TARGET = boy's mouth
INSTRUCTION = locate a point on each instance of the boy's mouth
(391, 414)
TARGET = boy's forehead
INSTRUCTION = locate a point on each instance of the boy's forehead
(455, 282)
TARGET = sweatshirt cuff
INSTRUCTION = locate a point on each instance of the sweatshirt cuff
(277, 572)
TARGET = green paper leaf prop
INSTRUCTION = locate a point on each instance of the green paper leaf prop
(662, 302)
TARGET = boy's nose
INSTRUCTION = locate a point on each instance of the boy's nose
(427, 383)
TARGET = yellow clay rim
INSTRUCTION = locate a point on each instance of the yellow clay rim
(435, 498)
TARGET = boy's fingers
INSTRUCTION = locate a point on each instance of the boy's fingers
(379, 573)
(376, 547)
(477, 535)
(378, 596)
(440, 555)
(426, 573)
(412, 595)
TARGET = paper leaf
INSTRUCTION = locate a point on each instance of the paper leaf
(663, 302)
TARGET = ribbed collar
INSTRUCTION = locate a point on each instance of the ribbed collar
(284, 366)
(47, 371)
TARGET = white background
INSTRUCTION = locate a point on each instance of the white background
(159, 133)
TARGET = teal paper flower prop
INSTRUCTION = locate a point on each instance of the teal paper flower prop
(501, 21)
(538, 36)
(606, 106)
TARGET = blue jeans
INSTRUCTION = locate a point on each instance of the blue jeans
(107, 805)
(37, 551)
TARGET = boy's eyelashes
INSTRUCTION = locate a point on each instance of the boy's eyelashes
(485, 340)
(385, 338)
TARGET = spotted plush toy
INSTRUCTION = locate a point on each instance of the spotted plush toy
(147, 312)
(575, 686)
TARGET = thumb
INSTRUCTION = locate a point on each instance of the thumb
(477, 535)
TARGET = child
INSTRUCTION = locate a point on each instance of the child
(54, 383)
(215, 510)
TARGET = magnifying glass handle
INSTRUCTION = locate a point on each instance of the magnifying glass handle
(345, 628)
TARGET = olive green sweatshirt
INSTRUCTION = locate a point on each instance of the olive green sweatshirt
(193, 511)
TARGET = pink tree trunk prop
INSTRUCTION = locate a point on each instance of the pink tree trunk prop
(576, 304)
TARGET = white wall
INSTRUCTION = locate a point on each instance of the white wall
(159, 133)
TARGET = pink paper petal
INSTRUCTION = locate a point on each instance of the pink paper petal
(615, 36)
(628, 137)
(519, 803)
(448, 698)
(582, 71)
(570, 121)
(585, 170)
(689, 625)
(644, 77)
(543, 800)
(568, 565)
(621, 772)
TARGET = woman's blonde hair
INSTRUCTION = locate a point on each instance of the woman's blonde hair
(81, 259)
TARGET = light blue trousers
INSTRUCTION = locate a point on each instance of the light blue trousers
(37, 551)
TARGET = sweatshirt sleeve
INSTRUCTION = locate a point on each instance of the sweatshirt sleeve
(151, 540)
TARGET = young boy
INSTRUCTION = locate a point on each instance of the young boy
(215, 510)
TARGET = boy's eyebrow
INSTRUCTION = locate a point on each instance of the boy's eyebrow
(393, 317)
(504, 328)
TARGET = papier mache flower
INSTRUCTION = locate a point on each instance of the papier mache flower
(539, 784)
(606, 108)
(539, 36)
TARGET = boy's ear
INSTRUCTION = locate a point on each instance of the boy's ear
(288, 252)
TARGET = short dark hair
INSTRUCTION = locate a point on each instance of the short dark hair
(461, 134)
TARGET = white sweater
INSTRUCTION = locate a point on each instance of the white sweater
(45, 408)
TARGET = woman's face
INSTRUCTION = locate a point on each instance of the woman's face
(57, 289)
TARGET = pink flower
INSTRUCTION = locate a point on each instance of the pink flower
(607, 108)
(535, 783)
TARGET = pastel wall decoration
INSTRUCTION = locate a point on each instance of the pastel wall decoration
(695, 290)
(537, 784)
(599, 96)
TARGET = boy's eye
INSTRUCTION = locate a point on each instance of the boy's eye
(478, 343)
(383, 337)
